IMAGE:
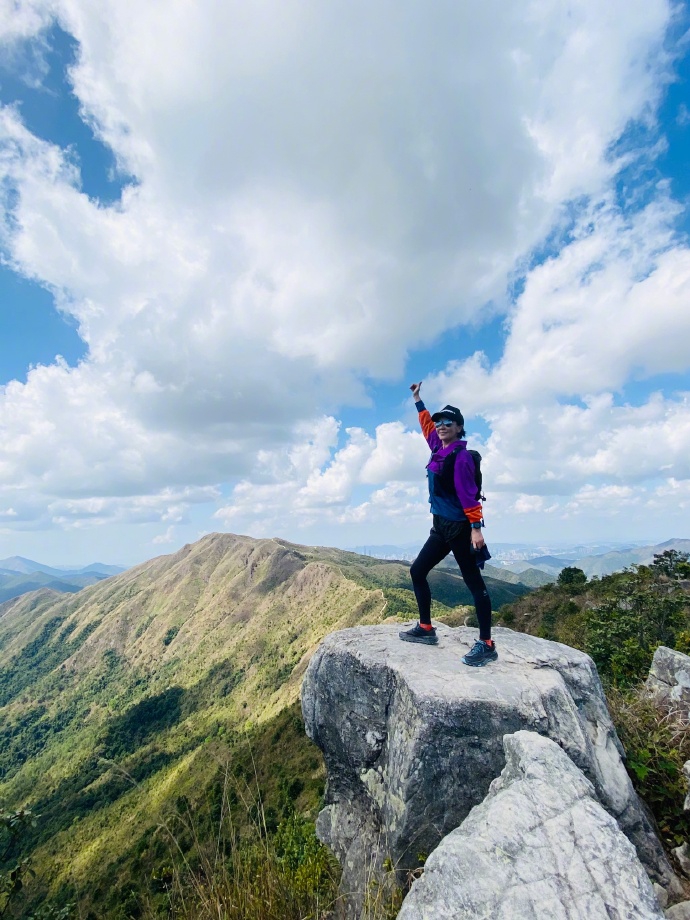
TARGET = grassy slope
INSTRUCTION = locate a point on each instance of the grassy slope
(123, 700)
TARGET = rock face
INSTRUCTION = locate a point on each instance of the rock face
(669, 675)
(539, 845)
(669, 680)
(412, 740)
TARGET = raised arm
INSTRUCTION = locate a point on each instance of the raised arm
(427, 426)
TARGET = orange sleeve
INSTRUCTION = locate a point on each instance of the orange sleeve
(426, 423)
(473, 514)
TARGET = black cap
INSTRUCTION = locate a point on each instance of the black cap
(450, 412)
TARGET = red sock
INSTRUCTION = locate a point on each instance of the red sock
(489, 642)
(426, 626)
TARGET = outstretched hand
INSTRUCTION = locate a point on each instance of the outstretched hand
(415, 387)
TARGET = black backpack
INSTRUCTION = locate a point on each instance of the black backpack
(447, 475)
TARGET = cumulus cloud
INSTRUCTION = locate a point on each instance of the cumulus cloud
(325, 488)
(167, 537)
(610, 306)
(320, 189)
(22, 20)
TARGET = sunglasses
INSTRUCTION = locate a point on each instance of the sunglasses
(444, 422)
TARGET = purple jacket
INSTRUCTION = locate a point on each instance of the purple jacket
(464, 481)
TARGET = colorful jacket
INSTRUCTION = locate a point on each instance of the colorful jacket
(465, 505)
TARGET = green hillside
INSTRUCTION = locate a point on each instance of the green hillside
(141, 693)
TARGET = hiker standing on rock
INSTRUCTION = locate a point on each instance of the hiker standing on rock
(457, 527)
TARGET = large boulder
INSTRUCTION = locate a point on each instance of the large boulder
(539, 845)
(669, 675)
(412, 739)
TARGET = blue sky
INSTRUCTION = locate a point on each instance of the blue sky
(231, 241)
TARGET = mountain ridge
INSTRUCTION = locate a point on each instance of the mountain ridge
(24, 566)
(128, 697)
(138, 674)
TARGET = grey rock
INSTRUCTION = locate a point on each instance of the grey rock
(682, 854)
(661, 894)
(669, 675)
(678, 911)
(412, 739)
(686, 772)
(539, 845)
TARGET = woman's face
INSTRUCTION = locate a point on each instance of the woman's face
(447, 431)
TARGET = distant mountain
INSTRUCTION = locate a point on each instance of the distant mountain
(406, 551)
(516, 556)
(550, 563)
(19, 576)
(528, 577)
(594, 564)
(98, 568)
(28, 566)
(535, 569)
(14, 585)
(608, 563)
(536, 578)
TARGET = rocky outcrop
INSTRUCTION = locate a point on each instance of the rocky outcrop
(669, 675)
(682, 854)
(669, 682)
(413, 739)
(539, 845)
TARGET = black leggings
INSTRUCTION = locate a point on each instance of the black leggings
(455, 537)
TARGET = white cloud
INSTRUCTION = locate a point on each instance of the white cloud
(321, 189)
(532, 504)
(610, 308)
(167, 537)
(327, 491)
(672, 493)
(21, 20)
(611, 305)
(398, 454)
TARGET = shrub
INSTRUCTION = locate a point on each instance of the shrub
(571, 576)
(624, 627)
(14, 871)
(656, 738)
(248, 873)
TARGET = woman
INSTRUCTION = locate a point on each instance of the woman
(457, 527)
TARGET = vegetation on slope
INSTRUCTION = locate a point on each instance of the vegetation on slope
(120, 703)
(620, 620)
(151, 721)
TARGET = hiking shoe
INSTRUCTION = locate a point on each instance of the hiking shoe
(480, 654)
(417, 634)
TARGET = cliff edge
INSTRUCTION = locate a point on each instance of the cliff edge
(413, 739)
